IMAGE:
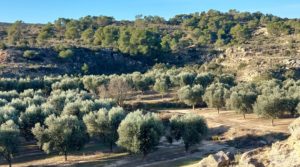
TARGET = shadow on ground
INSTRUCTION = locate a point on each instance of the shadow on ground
(254, 141)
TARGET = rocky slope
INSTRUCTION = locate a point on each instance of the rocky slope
(281, 154)
(99, 61)
(263, 54)
(13, 64)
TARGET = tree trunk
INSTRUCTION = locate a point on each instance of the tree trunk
(218, 110)
(162, 96)
(144, 155)
(8, 159)
(111, 146)
(66, 156)
(186, 146)
(272, 122)
(244, 116)
(193, 107)
(9, 162)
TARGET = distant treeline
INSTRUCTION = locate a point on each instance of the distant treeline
(150, 35)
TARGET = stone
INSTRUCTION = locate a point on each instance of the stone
(219, 159)
(281, 154)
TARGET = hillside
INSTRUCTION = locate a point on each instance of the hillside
(250, 45)
(264, 57)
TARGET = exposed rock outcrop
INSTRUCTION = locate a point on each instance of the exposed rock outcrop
(219, 159)
(281, 154)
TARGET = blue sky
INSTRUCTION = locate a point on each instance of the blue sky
(42, 11)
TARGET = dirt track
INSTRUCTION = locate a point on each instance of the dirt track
(230, 118)
(227, 125)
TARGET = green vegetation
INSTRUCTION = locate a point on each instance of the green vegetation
(190, 128)
(104, 124)
(2, 46)
(64, 113)
(62, 134)
(66, 53)
(215, 95)
(9, 140)
(30, 54)
(242, 98)
(151, 37)
(191, 95)
(140, 133)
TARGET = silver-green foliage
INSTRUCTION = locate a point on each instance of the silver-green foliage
(190, 128)
(162, 85)
(140, 133)
(191, 95)
(29, 118)
(61, 134)
(104, 123)
(242, 97)
(9, 140)
(215, 95)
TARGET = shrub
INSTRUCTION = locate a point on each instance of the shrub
(30, 54)
(2, 46)
(66, 53)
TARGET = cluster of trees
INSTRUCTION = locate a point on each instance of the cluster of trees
(67, 117)
(205, 88)
(53, 103)
(150, 35)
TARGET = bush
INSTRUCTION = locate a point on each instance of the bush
(30, 54)
(66, 53)
(2, 46)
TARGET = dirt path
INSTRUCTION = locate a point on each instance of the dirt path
(236, 126)
(227, 125)
(231, 119)
(166, 155)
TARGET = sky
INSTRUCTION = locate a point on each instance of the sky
(43, 11)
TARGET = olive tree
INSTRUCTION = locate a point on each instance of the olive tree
(118, 89)
(186, 78)
(104, 124)
(204, 79)
(269, 106)
(140, 133)
(242, 98)
(215, 95)
(276, 101)
(9, 140)
(61, 134)
(29, 118)
(141, 82)
(162, 85)
(190, 128)
(191, 95)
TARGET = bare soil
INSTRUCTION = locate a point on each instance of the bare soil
(228, 132)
